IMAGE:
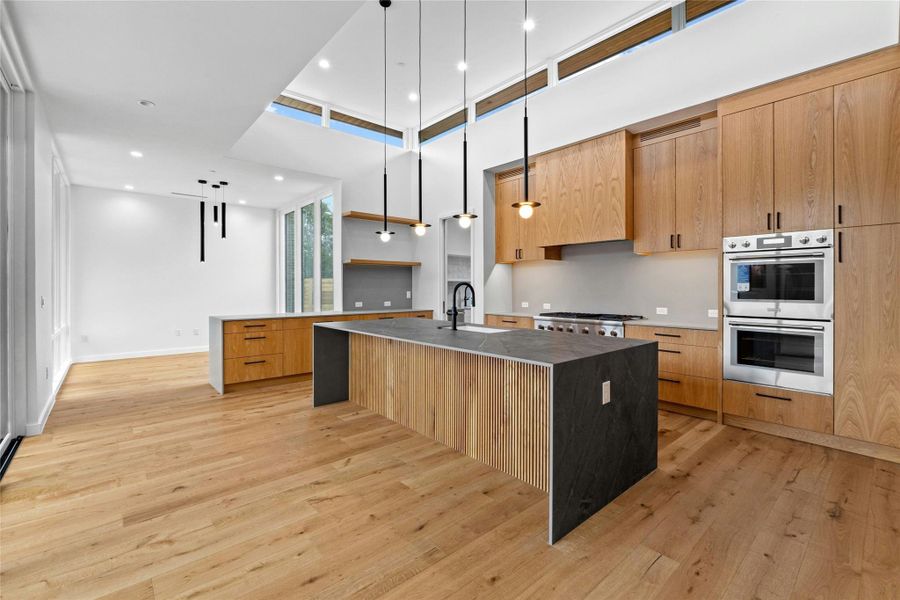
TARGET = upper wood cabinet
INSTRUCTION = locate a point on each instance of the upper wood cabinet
(867, 148)
(676, 196)
(515, 238)
(654, 197)
(867, 334)
(747, 164)
(804, 162)
(586, 191)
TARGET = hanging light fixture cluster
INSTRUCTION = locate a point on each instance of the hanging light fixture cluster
(218, 212)
(420, 227)
(526, 206)
(385, 233)
(465, 218)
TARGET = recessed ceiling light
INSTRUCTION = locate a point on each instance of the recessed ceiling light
(147, 103)
(528, 25)
(324, 64)
(137, 154)
(279, 178)
(461, 65)
(413, 96)
(242, 201)
(129, 187)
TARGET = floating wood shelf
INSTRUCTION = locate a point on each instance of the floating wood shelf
(382, 263)
(353, 214)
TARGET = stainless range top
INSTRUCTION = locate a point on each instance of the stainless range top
(605, 324)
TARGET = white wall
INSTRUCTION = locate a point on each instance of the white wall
(137, 276)
(748, 45)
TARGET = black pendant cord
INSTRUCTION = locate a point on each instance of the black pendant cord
(525, 81)
(420, 111)
(385, 231)
(465, 113)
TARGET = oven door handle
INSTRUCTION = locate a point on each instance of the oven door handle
(780, 258)
(780, 328)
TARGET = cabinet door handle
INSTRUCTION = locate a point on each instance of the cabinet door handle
(670, 351)
(840, 214)
(257, 325)
(840, 246)
(672, 335)
(678, 242)
(769, 221)
(254, 362)
(784, 398)
(256, 337)
(672, 241)
(668, 380)
(507, 321)
(778, 220)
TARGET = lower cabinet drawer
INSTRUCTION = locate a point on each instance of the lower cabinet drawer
(509, 322)
(254, 343)
(699, 361)
(775, 405)
(251, 368)
(252, 325)
(699, 392)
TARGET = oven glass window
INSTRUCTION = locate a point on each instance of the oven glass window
(774, 281)
(772, 350)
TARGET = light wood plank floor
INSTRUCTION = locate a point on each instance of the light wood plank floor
(146, 484)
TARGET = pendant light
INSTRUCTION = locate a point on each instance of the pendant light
(465, 217)
(385, 233)
(202, 183)
(224, 184)
(526, 206)
(420, 227)
(215, 188)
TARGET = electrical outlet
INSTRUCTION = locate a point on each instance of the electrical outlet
(357, 304)
(42, 302)
(84, 339)
(606, 393)
(408, 294)
(387, 302)
(524, 305)
(178, 333)
(196, 331)
(46, 372)
(662, 310)
(546, 306)
(712, 313)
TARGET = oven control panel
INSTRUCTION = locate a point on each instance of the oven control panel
(779, 241)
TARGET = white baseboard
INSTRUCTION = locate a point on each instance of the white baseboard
(139, 354)
(38, 427)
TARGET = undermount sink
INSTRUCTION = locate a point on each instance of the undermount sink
(475, 329)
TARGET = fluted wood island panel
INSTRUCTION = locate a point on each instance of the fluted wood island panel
(492, 409)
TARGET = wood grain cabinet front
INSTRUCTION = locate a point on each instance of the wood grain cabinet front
(254, 326)
(298, 351)
(252, 343)
(508, 322)
(698, 392)
(516, 239)
(747, 172)
(776, 405)
(252, 368)
(674, 335)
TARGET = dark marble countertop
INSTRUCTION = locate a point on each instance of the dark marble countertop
(526, 345)
(327, 313)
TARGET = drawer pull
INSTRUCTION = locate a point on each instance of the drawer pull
(784, 398)
(671, 351)
(382, 318)
(256, 325)
(507, 321)
(254, 362)
(669, 380)
(671, 335)
(256, 337)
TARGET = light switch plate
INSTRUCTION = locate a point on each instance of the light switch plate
(177, 332)
(387, 302)
(546, 306)
(662, 310)
(357, 304)
(196, 331)
(524, 305)
(712, 313)
(408, 294)
(606, 393)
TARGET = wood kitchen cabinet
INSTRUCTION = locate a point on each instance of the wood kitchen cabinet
(676, 196)
(516, 239)
(867, 150)
(297, 344)
(586, 191)
(747, 171)
(867, 334)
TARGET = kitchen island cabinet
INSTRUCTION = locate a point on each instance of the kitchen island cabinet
(573, 416)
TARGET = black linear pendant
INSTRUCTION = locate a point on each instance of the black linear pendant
(202, 183)
(224, 184)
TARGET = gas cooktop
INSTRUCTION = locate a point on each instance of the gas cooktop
(590, 316)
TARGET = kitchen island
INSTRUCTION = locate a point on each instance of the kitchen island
(573, 416)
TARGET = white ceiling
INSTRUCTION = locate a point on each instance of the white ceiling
(211, 67)
(495, 51)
